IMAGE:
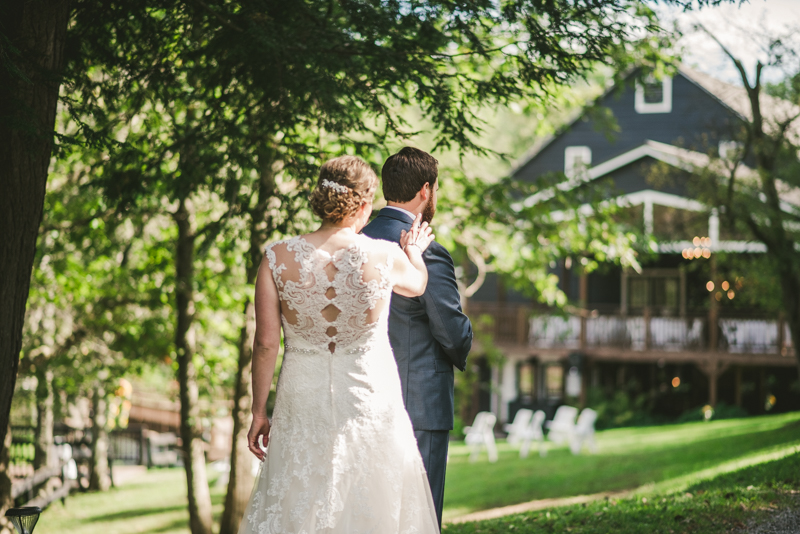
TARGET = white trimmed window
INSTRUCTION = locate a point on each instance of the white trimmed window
(654, 96)
(576, 160)
(730, 150)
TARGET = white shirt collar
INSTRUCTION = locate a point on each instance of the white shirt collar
(401, 210)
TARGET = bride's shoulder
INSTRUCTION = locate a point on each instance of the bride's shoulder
(381, 251)
(281, 247)
(379, 245)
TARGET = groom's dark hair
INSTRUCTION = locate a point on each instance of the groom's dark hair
(406, 172)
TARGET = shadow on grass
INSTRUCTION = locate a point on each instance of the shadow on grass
(178, 524)
(479, 486)
(140, 512)
(727, 503)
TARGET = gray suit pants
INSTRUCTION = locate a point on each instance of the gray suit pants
(433, 446)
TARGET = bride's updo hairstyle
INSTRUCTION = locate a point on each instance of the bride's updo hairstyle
(345, 183)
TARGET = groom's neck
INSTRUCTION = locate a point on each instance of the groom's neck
(414, 207)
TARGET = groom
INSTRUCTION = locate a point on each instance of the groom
(429, 334)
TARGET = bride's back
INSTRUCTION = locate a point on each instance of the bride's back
(333, 289)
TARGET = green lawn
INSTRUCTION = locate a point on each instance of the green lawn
(726, 503)
(627, 458)
(152, 503)
(662, 461)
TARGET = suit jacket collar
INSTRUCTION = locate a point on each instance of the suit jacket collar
(395, 214)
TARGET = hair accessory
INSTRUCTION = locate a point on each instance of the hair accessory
(339, 188)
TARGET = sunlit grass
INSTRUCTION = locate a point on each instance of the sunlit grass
(154, 502)
(665, 456)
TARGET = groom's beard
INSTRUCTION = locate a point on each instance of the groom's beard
(428, 212)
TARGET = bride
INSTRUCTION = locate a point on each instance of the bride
(341, 454)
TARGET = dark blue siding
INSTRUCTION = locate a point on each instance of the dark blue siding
(697, 121)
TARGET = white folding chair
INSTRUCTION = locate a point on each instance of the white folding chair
(517, 429)
(533, 433)
(480, 435)
(584, 432)
(562, 426)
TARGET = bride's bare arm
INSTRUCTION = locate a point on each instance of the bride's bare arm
(410, 276)
(265, 353)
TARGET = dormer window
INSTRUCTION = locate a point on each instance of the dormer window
(576, 160)
(654, 96)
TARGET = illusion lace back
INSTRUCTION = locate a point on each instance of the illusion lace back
(342, 457)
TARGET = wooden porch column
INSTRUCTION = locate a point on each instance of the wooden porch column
(584, 304)
(738, 386)
(623, 294)
(713, 309)
(712, 369)
(584, 382)
(712, 386)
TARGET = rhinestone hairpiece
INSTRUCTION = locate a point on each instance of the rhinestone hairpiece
(339, 188)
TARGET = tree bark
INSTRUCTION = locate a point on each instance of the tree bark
(44, 417)
(200, 521)
(5, 483)
(27, 119)
(241, 479)
(790, 285)
(99, 477)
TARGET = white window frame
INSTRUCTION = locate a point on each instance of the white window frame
(571, 153)
(665, 106)
(729, 150)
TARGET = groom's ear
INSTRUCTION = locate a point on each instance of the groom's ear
(425, 192)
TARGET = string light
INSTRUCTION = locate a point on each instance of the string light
(701, 248)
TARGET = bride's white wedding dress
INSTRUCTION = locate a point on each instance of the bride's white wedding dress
(342, 456)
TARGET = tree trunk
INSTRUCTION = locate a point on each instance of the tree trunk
(5, 483)
(44, 417)
(27, 119)
(99, 477)
(200, 521)
(240, 483)
(790, 285)
(241, 479)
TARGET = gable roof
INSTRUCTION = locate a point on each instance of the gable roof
(688, 160)
(733, 97)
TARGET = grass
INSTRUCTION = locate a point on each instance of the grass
(153, 503)
(664, 456)
(662, 462)
(725, 503)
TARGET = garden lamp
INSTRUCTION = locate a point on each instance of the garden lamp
(24, 519)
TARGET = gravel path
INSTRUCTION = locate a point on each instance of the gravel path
(784, 522)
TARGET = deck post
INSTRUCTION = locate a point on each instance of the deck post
(738, 385)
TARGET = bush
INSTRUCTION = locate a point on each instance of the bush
(722, 411)
(621, 408)
(458, 428)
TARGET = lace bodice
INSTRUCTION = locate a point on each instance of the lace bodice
(331, 301)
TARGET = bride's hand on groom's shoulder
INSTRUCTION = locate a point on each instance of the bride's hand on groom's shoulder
(259, 428)
(420, 235)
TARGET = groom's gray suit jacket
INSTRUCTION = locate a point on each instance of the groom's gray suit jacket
(429, 334)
